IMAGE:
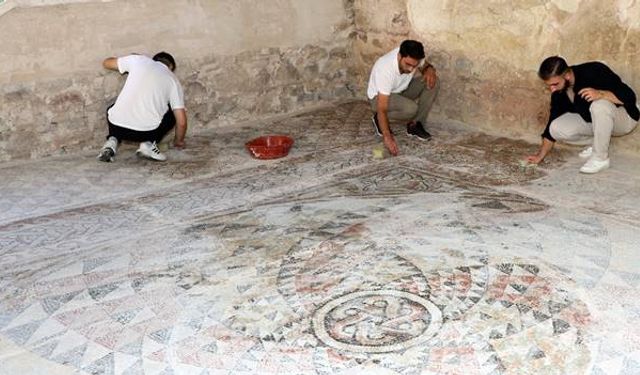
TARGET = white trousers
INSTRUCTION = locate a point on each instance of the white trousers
(607, 120)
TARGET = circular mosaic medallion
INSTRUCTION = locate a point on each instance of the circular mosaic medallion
(377, 321)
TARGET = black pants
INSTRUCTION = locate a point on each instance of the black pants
(155, 135)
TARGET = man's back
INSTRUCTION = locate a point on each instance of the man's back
(148, 92)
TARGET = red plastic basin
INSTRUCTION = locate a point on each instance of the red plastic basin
(270, 146)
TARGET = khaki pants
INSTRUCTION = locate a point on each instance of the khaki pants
(607, 120)
(403, 106)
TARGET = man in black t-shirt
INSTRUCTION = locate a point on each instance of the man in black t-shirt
(589, 104)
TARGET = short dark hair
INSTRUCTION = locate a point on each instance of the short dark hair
(166, 59)
(413, 49)
(552, 66)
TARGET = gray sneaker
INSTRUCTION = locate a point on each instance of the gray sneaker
(108, 152)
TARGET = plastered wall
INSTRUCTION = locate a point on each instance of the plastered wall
(487, 52)
(237, 60)
(241, 59)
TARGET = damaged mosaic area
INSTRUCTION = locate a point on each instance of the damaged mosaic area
(326, 262)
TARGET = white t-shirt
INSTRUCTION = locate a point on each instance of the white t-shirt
(386, 78)
(149, 90)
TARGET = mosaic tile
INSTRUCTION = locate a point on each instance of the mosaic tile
(446, 259)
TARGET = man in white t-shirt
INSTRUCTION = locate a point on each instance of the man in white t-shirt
(150, 104)
(397, 92)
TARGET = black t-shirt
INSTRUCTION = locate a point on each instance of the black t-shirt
(597, 76)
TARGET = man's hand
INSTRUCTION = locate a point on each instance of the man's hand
(590, 94)
(430, 77)
(534, 159)
(179, 144)
(390, 144)
(545, 148)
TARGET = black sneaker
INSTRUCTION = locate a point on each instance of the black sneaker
(417, 130)
(376, 126)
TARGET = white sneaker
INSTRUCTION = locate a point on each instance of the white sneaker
(109, 149)
(594, 165)
(586, 153)
(150, 150)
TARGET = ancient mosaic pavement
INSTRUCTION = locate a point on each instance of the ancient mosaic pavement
(449, 259)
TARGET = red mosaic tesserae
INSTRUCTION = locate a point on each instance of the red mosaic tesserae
(270, 146)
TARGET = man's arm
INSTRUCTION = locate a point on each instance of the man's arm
(383, 120)
(181, 127)
(610, 87)
(111, 63)
(590, 95)
(559, 106)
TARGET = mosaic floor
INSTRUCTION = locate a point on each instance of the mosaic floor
(449, 259)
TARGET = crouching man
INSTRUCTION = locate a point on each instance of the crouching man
(150, 104)
(402, 86)
(589, 104)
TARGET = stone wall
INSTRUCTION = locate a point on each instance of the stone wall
(237, 60)
(241, 59)
(487, 53)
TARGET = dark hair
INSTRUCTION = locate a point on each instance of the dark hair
(552, 67)
(412, 49)
(166, 59)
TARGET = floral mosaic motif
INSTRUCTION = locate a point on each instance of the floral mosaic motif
(376, 321)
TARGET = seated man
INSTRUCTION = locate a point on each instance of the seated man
(150, 104)
(589, 104)
(394, 88)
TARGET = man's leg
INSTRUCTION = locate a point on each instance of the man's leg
(426, 97)
(110, 147)
(125, 134)
(149, 149)
(602, 117)
(400, 107)
(607, 120)
(572, 129)
(623, 124)
(168, 122)
(148, 139)
(116, 135)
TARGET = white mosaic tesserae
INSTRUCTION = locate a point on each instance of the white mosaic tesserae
(446, 259)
